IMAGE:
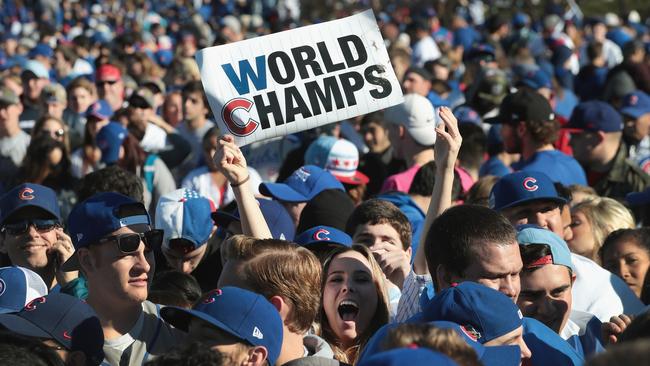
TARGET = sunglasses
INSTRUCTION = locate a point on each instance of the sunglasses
(58, 133)
(129, 243)
(181, 245)
(21, 227)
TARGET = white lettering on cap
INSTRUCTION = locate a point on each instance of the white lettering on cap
(134, 220)
(257, 333)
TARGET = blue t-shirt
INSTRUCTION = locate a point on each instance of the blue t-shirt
(494, 166)
(557, 165)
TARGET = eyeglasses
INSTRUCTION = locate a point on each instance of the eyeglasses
(110, 82)
(181, 245)
(21, 227)
(129, 243)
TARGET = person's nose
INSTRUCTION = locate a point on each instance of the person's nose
(508, 288)
(525, 351)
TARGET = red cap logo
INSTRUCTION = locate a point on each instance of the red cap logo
(66, 335)
(634, 99)
(529, 184)
(32, 304)
(26, 194)
(211, 297)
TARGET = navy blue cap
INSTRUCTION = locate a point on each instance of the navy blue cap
(303, 185)
(99, 110)
(238, 312)
(522, 187)
(595, 115)
(483, 312)
(277, 218)
(408, 356)
(536, 79)
(323, 235)
(109, 140)
(481, 50)
(63, 318)
(636, 104)
(29, 195)
(638, 198)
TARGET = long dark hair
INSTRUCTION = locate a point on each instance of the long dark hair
(37, 159)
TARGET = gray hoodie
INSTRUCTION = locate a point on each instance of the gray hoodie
(317, 353)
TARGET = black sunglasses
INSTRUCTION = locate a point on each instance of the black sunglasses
(129, 243)
(181, 245)
(21, 227)
(110, 82)
(59, 133)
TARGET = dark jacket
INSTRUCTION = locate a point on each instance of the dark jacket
(624, 177)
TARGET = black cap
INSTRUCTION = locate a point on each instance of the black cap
(525, 105)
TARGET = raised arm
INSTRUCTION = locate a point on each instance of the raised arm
(446, 151)
(231, 162)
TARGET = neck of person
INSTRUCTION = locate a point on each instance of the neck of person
(196, 123)
(530, 149)
(9, 129)
(292, 347)
(419, 156)
(117, 319)
(422, 202)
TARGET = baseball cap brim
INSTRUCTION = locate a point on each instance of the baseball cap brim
(282, 192)
(357, 179)
(423, 135)
(638, 198)
(223, 219)
(500, 355)
(22, 326)
(558, 200)
(8, 214)
(180, 318)
(634, 112)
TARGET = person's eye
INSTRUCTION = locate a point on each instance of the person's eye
(336, 279)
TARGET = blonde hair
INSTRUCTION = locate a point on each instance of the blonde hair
(586, 191)
(605, 215)
(443, 340)
(279, 268)
(380, 317)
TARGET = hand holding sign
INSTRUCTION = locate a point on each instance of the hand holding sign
(230, 161)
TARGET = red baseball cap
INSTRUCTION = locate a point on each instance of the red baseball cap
(108, 73)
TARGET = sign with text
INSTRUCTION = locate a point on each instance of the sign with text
(299, 79)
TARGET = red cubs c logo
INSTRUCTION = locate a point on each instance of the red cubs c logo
(321, 234)
(529, 184)
(32, 304)
(26, 194)
(211, 296)
(227, 114)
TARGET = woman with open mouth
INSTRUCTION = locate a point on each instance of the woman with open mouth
(354, 301)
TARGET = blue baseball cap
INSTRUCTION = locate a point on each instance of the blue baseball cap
(63, 318)
(238, 312)
(523, 187)
(547, 347)
(533, 234)
(41, 49)
(29, 195)
(109, 140)
(277, 218)
(303, 185)
(323, 235)
(19, 286)
(405, 356)
(536, 79)
(638, 198)
(466, 114)
(484, 313)
(185, 214)
(595, 115)
(100, 215)
(636, 104)
(99, 110)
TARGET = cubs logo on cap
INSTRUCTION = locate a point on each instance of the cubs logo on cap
(523, 187)
(26, 194)
(636, 104)
(29, 195)
(323, 235)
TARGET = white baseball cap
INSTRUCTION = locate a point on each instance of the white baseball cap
(418, 116)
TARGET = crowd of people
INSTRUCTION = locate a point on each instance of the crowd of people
(495, 217)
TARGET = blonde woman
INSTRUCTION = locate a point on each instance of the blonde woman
(592, 220)
(354, 301)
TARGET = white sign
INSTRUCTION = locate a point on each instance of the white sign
(299, 79)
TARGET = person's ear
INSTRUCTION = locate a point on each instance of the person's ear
(573, 278)
(76, 358)
(443, 278)
(521, 129)
(281, 305)
(409, 252)
(257, 356)
(600, 137)
(402, 132)
(86, 260)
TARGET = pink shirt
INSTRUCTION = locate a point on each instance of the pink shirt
(401, 181)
